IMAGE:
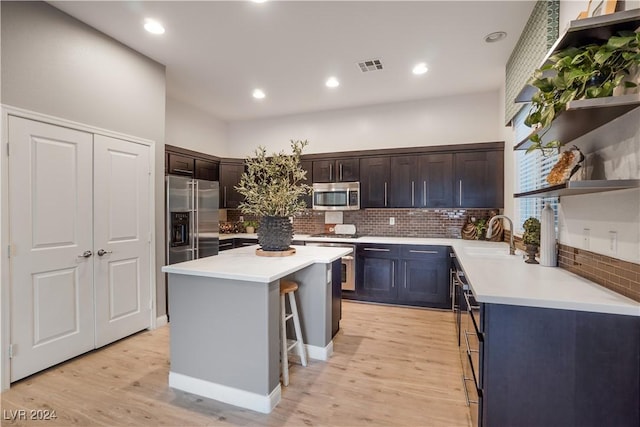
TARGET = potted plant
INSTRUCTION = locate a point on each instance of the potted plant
(272, 187)
(590, 71)
(250, 226)
(531, 238)
(481, 229)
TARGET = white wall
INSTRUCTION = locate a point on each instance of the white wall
(191, 128)
(437, 121)
(56, 65)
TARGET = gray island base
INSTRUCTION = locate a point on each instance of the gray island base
(224, 313)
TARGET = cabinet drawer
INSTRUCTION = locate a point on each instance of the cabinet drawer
(423, 252)
(376, 250)
(473, 312)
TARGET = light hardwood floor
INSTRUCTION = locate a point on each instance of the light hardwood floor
(391, 366)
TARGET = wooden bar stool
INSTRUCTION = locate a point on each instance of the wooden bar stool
(288, 287)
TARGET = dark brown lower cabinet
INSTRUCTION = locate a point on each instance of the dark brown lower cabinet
(552, 367)
(403, 274)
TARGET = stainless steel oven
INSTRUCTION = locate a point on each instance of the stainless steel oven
(348, 274)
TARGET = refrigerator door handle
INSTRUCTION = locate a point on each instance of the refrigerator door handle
(196, 201)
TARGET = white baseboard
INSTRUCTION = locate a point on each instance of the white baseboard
(161, 321)
(234, 396)
(320, 353)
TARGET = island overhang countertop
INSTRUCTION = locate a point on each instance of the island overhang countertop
(243, 263)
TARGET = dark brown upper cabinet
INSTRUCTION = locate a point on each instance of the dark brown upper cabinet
(374, 182)
(403, 179)
(230, 174)
(343, 170)
(434, 187)
(180, 165)
(479, 179)
(206, 170)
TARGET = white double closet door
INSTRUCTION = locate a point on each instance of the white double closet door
(79, 211)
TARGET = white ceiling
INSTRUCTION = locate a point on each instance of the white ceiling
(217, 52)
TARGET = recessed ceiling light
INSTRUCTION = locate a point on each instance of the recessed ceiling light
(495, 37)
(332, 82)
(153, 26)
(258, 94)
(420, 68)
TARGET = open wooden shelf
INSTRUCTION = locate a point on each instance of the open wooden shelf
(586, 31)
(573, 188)
(584, 115)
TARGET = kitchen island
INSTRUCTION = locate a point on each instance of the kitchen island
(225, 321)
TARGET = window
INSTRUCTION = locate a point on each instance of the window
(531, 170)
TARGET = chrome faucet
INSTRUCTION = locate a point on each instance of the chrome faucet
(512, 248)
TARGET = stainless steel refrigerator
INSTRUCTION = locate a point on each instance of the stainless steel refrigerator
(192, 218)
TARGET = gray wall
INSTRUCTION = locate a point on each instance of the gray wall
(56, 65)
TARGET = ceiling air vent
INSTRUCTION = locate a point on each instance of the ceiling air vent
(370, 65)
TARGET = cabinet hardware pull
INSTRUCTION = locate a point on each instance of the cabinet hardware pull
(414, 251)
(340, 171)
(424, 193)
(466, 338)
(182, 171)
(330, 172)
(460, 193)
(377, 249)
(196, 202)
(385, 194)
(405, 275)
(466, 393)
(413, 193)
(393, 274)
(225, 196)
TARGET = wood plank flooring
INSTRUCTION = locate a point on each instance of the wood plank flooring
(392, 366)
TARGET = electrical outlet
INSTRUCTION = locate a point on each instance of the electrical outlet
(613, 242)
(392, 221)
(586, 237)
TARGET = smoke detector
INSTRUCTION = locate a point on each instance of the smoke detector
(370, 65)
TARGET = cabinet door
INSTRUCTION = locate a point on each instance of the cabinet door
(180, 165)
(378, 278)
(376, 272)
(435, 182)
(347, 170)
(307, 165)
(402, 182)
(374, 180)
(230, 174)
(479, 179)
(323, 171)
(206, 170)
(425, 282)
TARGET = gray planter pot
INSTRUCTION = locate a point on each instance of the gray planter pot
(275, 233)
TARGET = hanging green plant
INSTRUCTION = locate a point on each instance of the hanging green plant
(591, 71)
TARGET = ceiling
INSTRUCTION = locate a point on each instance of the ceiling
(217, 53)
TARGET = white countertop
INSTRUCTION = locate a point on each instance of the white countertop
(494, 276)
(244, 264)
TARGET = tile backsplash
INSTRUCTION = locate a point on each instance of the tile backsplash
(375, 222)
(619, 276)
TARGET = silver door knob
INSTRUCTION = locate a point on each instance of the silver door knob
(85, 254)
(102, 252)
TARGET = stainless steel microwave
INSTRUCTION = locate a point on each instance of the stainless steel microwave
(336, 196)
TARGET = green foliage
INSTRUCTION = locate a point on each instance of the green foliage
(531, 234)
(272, 185)
(590, 71)
(481, 228)
(252, 223)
